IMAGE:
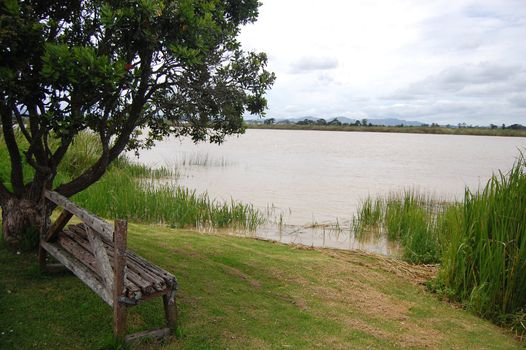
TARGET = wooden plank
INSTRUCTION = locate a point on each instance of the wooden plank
(138, 282)
(119, 264)
(145, 264)
(155, 268)
(101, 259)
(81, 254)
(74, 233)
(135, 263)
(96, 223)
(144, 286)
(57, 226)
(79, 269)
(154, 333)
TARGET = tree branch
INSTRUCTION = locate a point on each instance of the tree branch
(21, 124)
(56, 158)
(90, 176)
(17, 174)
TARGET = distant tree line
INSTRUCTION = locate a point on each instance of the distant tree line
(366, 123)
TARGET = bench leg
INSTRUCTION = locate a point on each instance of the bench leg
(42, 256)
(120, 315)
(170, 310)
(120, 312)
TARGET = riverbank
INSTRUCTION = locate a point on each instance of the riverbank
(475, 131)
(240, 293)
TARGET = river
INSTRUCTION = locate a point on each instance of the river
(311, 182)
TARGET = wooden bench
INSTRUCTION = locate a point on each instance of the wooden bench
(96, 253)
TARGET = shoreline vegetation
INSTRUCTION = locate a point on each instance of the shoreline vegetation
(480, 243)
(141, 194)
(469, 131)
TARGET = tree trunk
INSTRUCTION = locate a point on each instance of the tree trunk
(22, 222)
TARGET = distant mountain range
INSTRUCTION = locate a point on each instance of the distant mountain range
(386, 122)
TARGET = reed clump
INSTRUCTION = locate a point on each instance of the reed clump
(484, 265)
(148, 195)
(408, 218)
(123, 194)
(139, 193)
(480, 242)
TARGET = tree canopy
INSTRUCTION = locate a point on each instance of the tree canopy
(116, 67)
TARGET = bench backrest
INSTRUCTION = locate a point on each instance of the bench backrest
(99, 233)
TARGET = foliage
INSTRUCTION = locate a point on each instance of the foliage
(117, 67)
(409, 218)
(357, 127)
(480, 242)
(485, 263)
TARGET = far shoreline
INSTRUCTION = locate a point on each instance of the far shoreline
(467, 131)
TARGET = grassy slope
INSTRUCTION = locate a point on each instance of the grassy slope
(240, 293)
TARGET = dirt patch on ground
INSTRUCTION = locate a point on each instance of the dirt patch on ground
(413, 273)
(237, 273)
(349, 284)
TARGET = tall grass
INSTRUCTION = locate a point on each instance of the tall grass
(484, 265)
(137, 192)
(201, 159)
(481, 242)
(409, 218)
(121, 193)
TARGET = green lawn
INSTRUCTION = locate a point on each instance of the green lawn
(239, 293)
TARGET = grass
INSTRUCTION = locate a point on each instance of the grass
(123, 194)
(475, 131)
(201, 159)
(485, 263)
(240, 293)
(410, 218)
(480, 243)
(139, 193)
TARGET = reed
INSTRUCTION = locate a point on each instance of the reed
(408, 218)
(480, 242)
(140, 193)
(201, 159)
(484, 265)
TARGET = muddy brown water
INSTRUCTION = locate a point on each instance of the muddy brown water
(310, 183)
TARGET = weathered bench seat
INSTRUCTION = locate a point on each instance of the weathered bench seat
(96, 253)
(143, 279)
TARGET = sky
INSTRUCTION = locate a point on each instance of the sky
(443, 61)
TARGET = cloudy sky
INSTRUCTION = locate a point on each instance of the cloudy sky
(445, 61)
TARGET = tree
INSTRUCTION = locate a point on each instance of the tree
(270, 121)
(115, 67)
(335, 122)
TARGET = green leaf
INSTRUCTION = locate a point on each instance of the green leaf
(11, 6)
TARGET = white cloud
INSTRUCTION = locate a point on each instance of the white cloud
(433, 61)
